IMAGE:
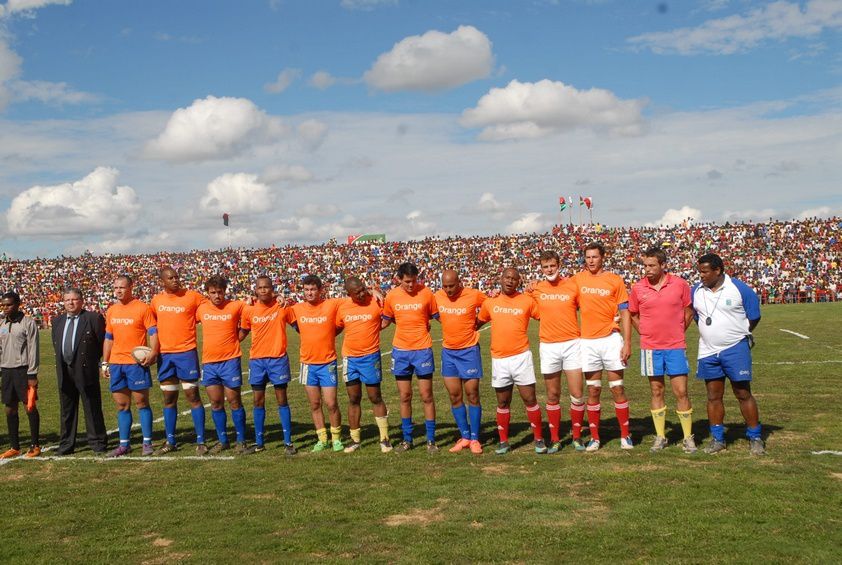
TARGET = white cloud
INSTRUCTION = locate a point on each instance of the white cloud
(751, 214)
(289, 173)
(419, 225)
(13, 6)
(433, 61)
(776, 21)
(285, 78)
(529, 223)
(820, 212)
(312, 133)
(9, 69)
(94, 204)
(237, 193)
(673, 217)
(135, 243)
(322, 80)
(50, 92)
(489, 203)
(318, 210)
(537, 109)
(366, 5)
(214, 128)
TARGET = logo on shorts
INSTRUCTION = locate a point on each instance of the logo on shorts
(174, 309)
(504, 310)
(313, 319)
(598, 291)
(416, 306)
(122, 321)
(744, 373)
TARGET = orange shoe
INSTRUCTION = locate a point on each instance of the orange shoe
(34, 451)
(10, 453)
(476, 447)
(460, 445)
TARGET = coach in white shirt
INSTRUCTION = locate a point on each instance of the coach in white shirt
(727, 311)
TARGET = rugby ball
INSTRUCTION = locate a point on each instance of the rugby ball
(141, 352)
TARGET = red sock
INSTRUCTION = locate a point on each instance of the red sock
(593, 420)
(622, 411)
(503, 417)
(554, 417)
(534, 415)
(577, 416)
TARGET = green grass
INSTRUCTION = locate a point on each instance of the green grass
(612, 505)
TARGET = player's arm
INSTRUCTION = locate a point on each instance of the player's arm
(154, 345)
(635, 321)
(243, 334)
(385, 321)
(33, 355)
(689, 316)
(107, 346)
(625, 331)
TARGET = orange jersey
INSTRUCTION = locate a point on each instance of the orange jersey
(458, 317)
(599, 298)
(220, 330)
(317, 326)
(127, 325)
(557, 305)
(509, 317)
(176, 316)
(411, 315)
(268, 329)
(362, 327)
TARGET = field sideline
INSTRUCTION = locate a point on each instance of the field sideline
(414, 507)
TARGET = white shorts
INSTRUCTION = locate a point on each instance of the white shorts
(602, 353)
(515, 370)
(560, 356)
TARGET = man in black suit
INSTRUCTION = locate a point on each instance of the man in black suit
(78, 335)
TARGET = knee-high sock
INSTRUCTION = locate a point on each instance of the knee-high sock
(124, 425)
(461, 417)
(685, 417)
(430, 427)
(503, 418)
(659, 418)
(13, 422)
(145, 415)
(170, 415)
(475, 417)
(554, 418)
(593, 419)
(406, 428)
(577, 417)
(622, 411)
(535, 421)
(198, 415)
(220, 422)
(238, 416)
(34, 426)
(258, 414)
(286, 422)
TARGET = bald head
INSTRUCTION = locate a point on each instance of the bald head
(450, 283)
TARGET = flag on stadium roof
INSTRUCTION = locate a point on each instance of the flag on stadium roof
(562, 203)
(225, 219)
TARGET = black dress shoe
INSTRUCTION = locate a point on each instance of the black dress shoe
(61, 452)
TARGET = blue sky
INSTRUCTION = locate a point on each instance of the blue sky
(131, 126)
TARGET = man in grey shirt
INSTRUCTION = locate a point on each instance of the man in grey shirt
(19, 372)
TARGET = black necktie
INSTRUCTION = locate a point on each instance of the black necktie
(68, 339)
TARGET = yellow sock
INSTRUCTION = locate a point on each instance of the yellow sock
(659, 417)
(335, 433)
(686, 419)
(383, 426)
(322, 434)
(355, 435)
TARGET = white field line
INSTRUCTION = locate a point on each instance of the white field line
(124, 458)
(826, 362)
(796, 334)
(826, 452)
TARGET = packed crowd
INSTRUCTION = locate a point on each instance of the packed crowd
(783, 261)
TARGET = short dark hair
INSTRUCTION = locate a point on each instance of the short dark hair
(712, 259)
(72, 290)
(405, 269)
(312, 279)
(126, 278)
(596, 245)
(13, 296)
(265, 278)
(353, 281)
(164, 269)
(549, 254)
(216, 281)
(657, 253)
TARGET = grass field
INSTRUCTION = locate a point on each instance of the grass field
(611, 505)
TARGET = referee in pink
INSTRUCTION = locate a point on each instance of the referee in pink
(661, 311)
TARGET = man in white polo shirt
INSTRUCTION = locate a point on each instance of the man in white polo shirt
(727, 311)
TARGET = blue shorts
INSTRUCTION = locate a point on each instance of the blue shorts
(227, 373)
(183, 366)
(734, 363)
(660, 362)
(463, 363)
(418, 361)
(131, 376)
(365, 368)
(318, 374)
(273, 370)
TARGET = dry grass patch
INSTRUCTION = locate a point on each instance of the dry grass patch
(419, 516)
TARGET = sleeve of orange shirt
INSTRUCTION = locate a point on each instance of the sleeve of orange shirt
(484, 315)
(481, 298)
(388, 308)
(433, 311)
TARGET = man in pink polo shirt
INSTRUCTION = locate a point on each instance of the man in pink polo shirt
(661, 311)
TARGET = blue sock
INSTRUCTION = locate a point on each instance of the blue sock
(170, 415)
(718, 432)
(475, 415)
(259, 416)
(220, 421)
(406, 428)
(461, 417)
(198, 415)
(753, 433)
(146, 424)
(430, 425)
(124, 425)
(286, 423)
(239, 418)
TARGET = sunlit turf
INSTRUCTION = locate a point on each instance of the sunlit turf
(415, 507)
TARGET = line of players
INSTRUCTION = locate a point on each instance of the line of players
(660, 308)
